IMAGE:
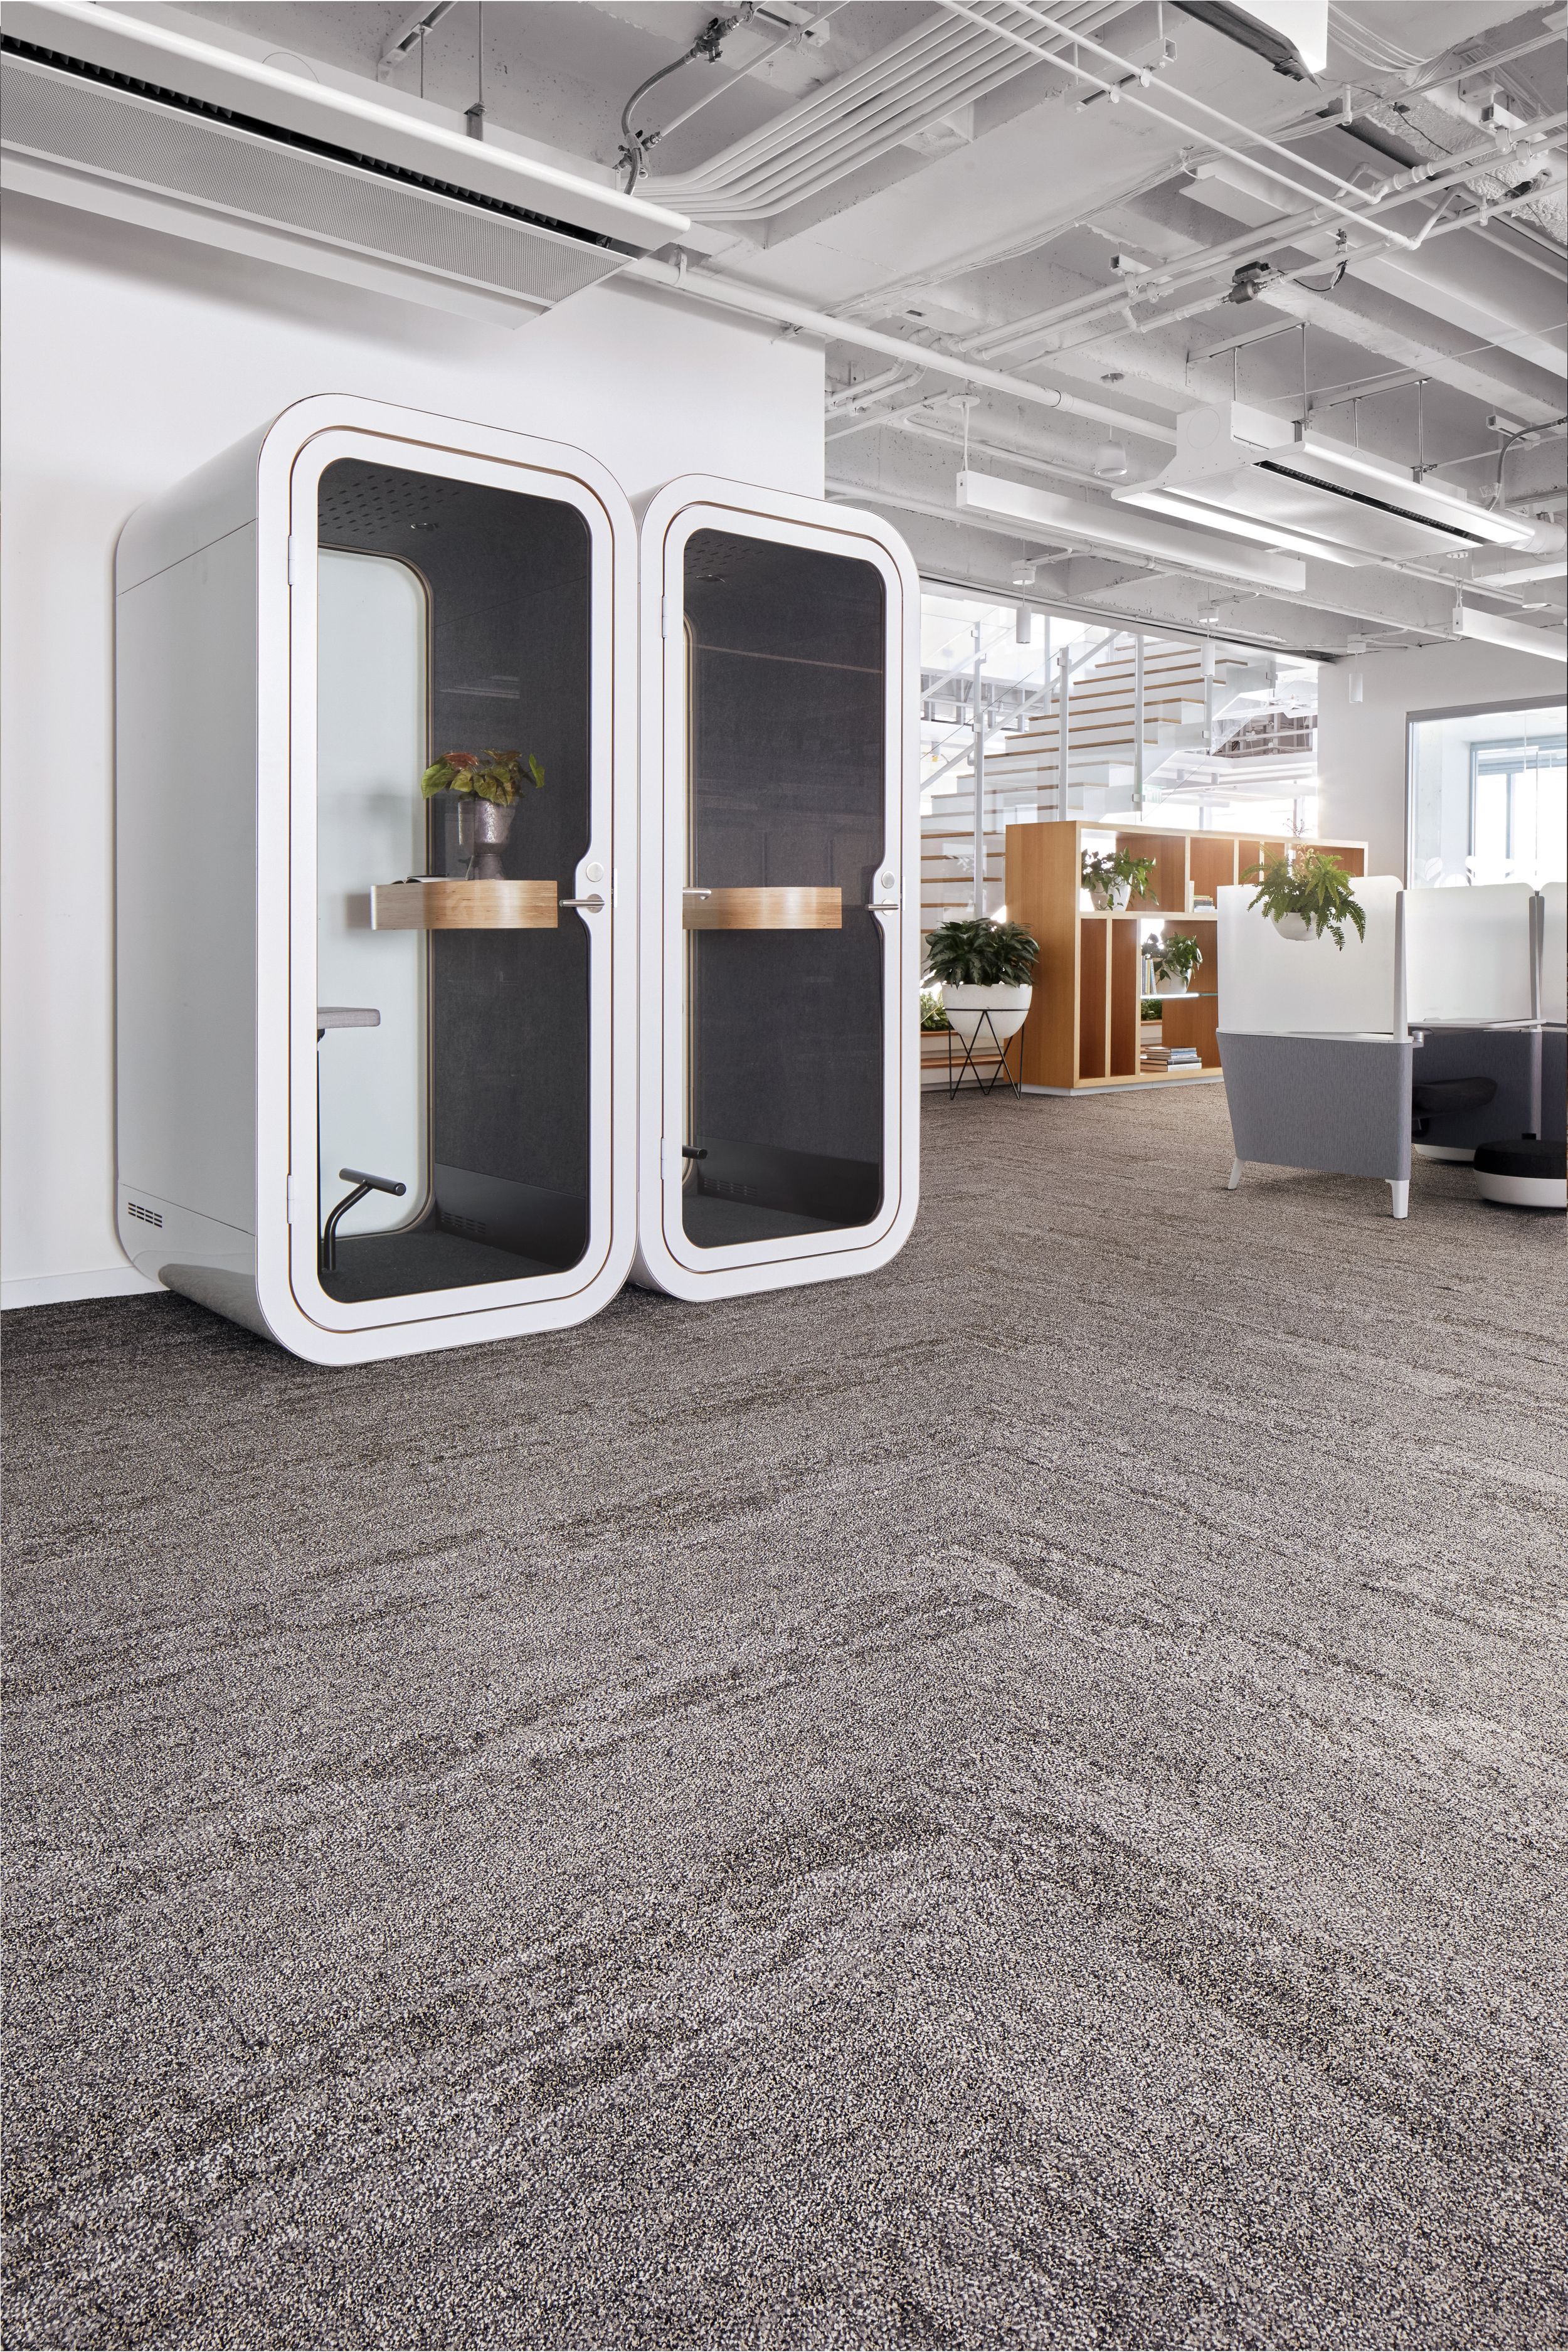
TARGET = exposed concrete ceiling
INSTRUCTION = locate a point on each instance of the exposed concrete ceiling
(959, 177)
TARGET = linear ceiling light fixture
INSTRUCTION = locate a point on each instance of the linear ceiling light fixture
(1244, 464)
(1076, 522)
(1154, 500)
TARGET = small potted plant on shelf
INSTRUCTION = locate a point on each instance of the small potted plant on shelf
(1172, 963)
(491, 784)
(983, 967)
(933, 1014)
(1308, 895)
(1110, 879)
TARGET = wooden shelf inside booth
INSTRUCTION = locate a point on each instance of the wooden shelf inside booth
(793, 907)
(442, 905)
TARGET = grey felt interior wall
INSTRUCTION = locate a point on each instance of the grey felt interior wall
(508, 581)
(787, 676)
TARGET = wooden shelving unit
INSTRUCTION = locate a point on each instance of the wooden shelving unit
(1082, 1029)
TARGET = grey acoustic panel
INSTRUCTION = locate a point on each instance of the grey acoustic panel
(1341, 1104)
(117, 135)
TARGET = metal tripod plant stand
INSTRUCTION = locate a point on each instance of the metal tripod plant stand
(967, 1061)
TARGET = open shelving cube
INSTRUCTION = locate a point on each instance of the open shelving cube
(1083, 1029)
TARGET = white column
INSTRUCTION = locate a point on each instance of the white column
(979, 759)
(1137, 722)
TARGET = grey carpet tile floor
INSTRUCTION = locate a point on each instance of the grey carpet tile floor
(1017, 1801)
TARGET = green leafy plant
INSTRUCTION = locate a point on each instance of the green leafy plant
(1175, 957)
(980, 953)
(1151, 1009)
(1107, 873)
(1311, 886)
(496, 776)
(931, 1013)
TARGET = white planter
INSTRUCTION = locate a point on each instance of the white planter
(967, 1007)
(1171, 988)
(1111, 901)
(1293, 927)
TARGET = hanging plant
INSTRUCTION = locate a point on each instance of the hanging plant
(1309, 896)
(495, 776)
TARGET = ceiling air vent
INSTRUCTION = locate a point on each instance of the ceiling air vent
(165, 146)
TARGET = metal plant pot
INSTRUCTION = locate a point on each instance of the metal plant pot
(484, 828)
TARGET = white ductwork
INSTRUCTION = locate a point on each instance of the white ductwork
(1235, 461)
(1075, 522)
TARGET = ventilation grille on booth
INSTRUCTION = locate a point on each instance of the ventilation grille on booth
(61, 117)
(147, 1216)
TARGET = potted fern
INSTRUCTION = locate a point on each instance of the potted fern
(1111, 879)
(1307, 895)
(984, 969)
(1172, 963)
(491, 785)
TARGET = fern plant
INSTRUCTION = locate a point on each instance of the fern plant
(496, 776)
(1105, 873)
(1176, 958)
(1314, 887)
(981, 953)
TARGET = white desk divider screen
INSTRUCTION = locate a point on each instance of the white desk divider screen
(1273, 986)
(1555, 953)
(1468, 954)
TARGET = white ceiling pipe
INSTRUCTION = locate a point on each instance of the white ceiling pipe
(854, 119)
(926, 59)
(726, 294)
(1214, 261)
(129, 43)
(1128, 67)
(756, 194)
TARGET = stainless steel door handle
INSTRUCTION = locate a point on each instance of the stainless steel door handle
(594, 906)
(884, 907)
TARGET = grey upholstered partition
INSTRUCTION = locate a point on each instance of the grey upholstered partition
(1339, 1104)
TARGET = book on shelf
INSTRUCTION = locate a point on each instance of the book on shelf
(1172, 1057)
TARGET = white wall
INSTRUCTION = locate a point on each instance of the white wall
(131, 358)
(1361, 745)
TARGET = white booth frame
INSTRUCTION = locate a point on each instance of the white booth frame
(299, 446)
(666, 1259)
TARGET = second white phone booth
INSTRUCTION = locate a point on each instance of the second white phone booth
(779, 912)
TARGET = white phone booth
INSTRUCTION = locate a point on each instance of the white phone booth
(376, 1062)
(780, 907)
